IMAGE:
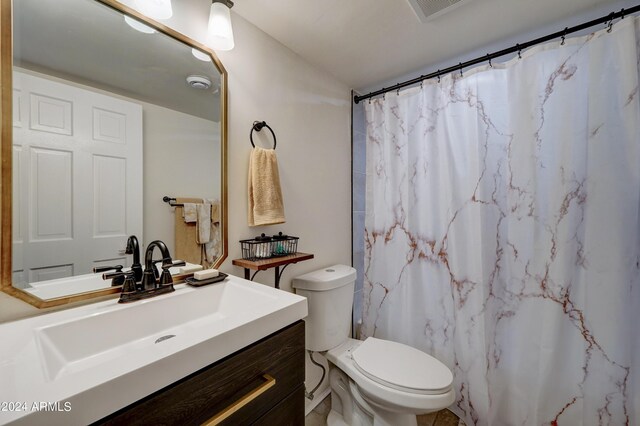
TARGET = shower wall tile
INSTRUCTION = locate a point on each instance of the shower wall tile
(358, 204)
(357, 312)
(359, 157)
(358, 232)
(359, 123)
(358, 263)
(359, 182)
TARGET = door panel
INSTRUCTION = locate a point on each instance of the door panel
(79, 161)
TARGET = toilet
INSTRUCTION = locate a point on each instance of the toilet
(373, 382)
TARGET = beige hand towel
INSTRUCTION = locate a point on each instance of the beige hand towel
(266, 206)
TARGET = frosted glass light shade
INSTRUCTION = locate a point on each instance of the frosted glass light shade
(154, 9)
(138, 26)
(220, 33)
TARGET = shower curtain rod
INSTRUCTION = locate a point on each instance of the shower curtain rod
(608, 19)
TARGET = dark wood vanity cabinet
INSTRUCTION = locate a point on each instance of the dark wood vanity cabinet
(262, 384)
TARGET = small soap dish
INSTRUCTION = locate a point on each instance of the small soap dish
(198, 283)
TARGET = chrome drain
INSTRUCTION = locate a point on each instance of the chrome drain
(163, 338)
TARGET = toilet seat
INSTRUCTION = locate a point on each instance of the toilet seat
(402, 367)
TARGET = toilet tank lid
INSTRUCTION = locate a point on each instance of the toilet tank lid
(325, 279)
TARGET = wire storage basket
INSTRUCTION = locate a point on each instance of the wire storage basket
(265, 247)
(284, 245)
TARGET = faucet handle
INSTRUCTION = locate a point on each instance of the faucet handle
(166, 278)
(99, 269)
(117, 278)
(129, 285)
(174, 264)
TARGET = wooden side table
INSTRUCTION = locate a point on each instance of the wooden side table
(274, 262)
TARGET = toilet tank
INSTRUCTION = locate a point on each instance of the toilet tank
(329, 293)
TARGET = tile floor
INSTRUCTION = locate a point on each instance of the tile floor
(318, 417)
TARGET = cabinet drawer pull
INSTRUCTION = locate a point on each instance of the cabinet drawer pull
(224, 414)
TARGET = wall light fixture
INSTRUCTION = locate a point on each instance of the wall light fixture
(219, 32)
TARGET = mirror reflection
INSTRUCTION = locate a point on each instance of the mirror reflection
(109, 117)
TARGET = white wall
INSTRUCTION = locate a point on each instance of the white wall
(309, 112)
(179, 150)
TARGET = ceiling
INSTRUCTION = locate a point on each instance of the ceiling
(89, 43)
(368, 42)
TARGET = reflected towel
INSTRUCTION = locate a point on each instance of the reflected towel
(266, 206)
(189, 212)
(185, 234)
(203, 223)
(213, 248)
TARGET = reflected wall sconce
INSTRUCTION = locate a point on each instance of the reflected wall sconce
(219, 31)
(138, 26)
(200, 55)
(154, 9)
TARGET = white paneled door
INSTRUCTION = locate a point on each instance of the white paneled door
(77, 178)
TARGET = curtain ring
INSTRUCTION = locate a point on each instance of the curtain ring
(384, 96)
(438, 76)
(398, 92)
(490, 64)
(622, 13)
(369, 101)
(460, 65)
(564, 36)
(519, 51)
(421, 84)
(610, 24)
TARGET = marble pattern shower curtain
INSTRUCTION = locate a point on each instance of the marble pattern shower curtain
(502, 231)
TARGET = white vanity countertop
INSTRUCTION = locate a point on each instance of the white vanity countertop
(79, 365)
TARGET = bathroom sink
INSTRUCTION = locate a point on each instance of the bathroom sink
(107, 355)
(81, 343)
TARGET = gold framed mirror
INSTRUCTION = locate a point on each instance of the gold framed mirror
(104, 113)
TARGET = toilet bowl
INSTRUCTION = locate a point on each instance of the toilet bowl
(375, 381)
(397, 382)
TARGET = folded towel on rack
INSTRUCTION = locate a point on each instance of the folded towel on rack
(266, 205)
(191, 241)
(189, 212)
